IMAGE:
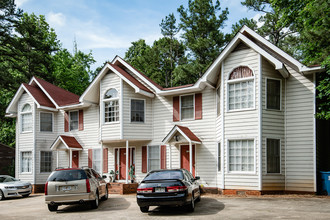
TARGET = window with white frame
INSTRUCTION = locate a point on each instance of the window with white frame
(241, 89)
(26, 118)
(46, 121)
(187, 107)
(137, 110)
(219, 157)
(45, 161)
(241, 155)
(97, 160)
(26, 162)
(111, 106)
(218, 101)
(273, 156)
(74, 121)
(153, 157)
(274, 94)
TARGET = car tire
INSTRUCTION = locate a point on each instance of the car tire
(95, 203)
(2, 197)
(144, 209)
(191, 206)
(27, 195)
(106, 196)
(52, 208)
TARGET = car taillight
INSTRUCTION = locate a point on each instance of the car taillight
(176, 188)
(46, 189)
(88, 186)
(145, 190)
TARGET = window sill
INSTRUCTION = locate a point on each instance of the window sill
(273, 174)
(188, 119)
(274, 110)
(111, 123)
(25, 173)
(47, 132)
(241, 173)
(26, 132)
(136, 122)
(241, 110)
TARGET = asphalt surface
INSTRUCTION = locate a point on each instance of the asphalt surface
(210, 207)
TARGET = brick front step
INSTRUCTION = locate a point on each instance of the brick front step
(122, 188)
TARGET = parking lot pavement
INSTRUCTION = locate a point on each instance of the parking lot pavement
(210, 207)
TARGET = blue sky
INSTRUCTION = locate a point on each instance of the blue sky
(107, 27)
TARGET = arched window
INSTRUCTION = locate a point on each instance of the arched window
(26, 118)
(111, 106)
(241, 88)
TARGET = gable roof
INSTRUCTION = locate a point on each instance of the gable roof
(68, 141)
(185, 132)
(59, 96)
(38, 95)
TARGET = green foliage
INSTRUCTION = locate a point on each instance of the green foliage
(238, 25)
(201, 23)
(323, 92)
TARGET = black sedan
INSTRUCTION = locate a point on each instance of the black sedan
(176, 187)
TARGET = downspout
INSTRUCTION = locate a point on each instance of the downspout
(260, 121)
(190, 158)
(121, 115)
(127, 144)
(285, 135)
(222, 126)
(314, 135)
(34, 147)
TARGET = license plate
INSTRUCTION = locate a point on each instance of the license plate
(66, 188)
(160, 189)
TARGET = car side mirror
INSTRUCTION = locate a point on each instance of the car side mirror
(197, 178)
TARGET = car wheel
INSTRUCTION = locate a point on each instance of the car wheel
(95, 203)
(191, 205)
(27, 195)
(106, 196)
(52, 208)
(144, 209)
(2, 197)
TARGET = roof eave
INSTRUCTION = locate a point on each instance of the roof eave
(311, 70)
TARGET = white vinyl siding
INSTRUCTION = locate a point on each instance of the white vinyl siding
(45, 161)
(46, 121)
(26, 162)
(153, 158)
(218, 93)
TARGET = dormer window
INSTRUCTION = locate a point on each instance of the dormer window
(111, 106)
(26, 118)
(241, 89)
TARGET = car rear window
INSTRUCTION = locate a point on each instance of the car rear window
(164, 175)
(67, 175)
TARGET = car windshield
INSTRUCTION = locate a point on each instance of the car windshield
(6, 179)
(163, 175)
(67, 175)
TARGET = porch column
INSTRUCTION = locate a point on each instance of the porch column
(70, 158)
(190, 158)
(57, 154)
(101, 161)
(170, 146)
(127, 161)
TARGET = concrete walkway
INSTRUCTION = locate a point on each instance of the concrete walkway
(210, 207)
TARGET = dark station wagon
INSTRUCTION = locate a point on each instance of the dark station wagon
(174, 187)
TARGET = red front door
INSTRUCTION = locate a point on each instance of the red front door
(185, 158)
(122, 163)
(75, 159)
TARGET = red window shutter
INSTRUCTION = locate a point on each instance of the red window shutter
(105, 160)
(163, 157)
(176, 108)
(198, 106)
(90, 158)
(66, 122)
(144, 159)
(81, 120)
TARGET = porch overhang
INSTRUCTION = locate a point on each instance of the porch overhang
(64, 143)
(122, 141)
(184, 132)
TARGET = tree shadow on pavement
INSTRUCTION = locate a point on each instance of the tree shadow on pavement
(207, 206)
(112, 204)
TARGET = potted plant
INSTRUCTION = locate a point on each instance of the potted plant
(131, 173)
(113, 175)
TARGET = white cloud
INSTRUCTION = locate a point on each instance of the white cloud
(256, 18)
(19, 3)
(56, 19)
